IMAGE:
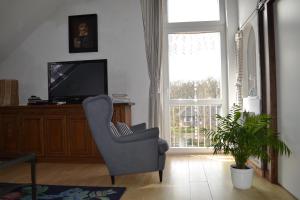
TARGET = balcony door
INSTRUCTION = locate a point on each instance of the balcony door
(195, 76)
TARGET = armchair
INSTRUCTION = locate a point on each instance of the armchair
(142, 151)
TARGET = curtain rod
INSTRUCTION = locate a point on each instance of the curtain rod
(248, 19)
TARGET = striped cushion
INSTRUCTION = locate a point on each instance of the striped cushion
(123, 129)
(114, 130)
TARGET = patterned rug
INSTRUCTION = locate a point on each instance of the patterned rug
(57, 192)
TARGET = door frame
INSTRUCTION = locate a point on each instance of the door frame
(192, 27)
(268, 77)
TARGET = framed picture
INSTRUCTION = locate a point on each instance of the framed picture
(83, 33)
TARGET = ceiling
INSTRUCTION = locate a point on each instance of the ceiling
(18, 19)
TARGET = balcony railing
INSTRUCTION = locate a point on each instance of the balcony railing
(187, 121)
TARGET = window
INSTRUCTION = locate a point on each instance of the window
(194, 65)
(195, 76)
(193, 10)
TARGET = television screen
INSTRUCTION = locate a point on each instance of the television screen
(75, 80)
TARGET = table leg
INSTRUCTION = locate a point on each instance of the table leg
(33, 179)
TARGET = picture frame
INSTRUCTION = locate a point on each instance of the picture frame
(83, 33)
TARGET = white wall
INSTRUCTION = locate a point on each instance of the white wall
(246, 7)
(231, 28)
(121, 41)
(287, 31)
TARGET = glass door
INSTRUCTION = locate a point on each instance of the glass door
(195, 87)
(195, 76)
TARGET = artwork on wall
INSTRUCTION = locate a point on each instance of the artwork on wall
(83, 33)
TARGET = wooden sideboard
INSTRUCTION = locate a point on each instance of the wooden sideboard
(56, 133)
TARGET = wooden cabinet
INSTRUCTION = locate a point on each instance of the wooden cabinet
(31, 134)
(122, 113)
(54, 133)
(80, 139)
(9, 143)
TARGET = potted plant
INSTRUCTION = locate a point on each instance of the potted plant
(242, 135)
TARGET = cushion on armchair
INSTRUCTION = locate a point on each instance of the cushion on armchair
(123, 128)
(114, 130)
(162, 146)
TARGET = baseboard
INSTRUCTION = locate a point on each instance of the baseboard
(190, 150)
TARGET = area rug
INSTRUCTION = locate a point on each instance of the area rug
(57, 192)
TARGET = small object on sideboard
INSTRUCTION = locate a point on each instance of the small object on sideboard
(9, 93)
(34, 100)
(120, 98)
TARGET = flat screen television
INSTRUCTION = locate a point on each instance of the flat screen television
(73, 81)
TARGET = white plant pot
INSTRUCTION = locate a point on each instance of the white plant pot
(241, 178)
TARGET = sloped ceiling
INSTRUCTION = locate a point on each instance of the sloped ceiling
(19, 18)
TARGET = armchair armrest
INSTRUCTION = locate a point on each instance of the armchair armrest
(151, 133)
(138, 127)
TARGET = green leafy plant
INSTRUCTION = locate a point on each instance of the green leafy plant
(243, 134)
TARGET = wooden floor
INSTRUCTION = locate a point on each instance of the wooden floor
(185, 177)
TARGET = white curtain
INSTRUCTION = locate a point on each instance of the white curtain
(152, 14)
(239, 60)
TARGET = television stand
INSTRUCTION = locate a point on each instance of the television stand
(55, 133)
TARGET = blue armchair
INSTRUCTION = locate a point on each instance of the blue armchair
(142, 151)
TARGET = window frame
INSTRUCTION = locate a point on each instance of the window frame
(192, 27)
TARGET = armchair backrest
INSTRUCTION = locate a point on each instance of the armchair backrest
(98, 111)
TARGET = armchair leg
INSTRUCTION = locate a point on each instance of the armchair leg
(112, 180)
(160, 175)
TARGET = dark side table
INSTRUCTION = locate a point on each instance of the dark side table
(26, 158)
